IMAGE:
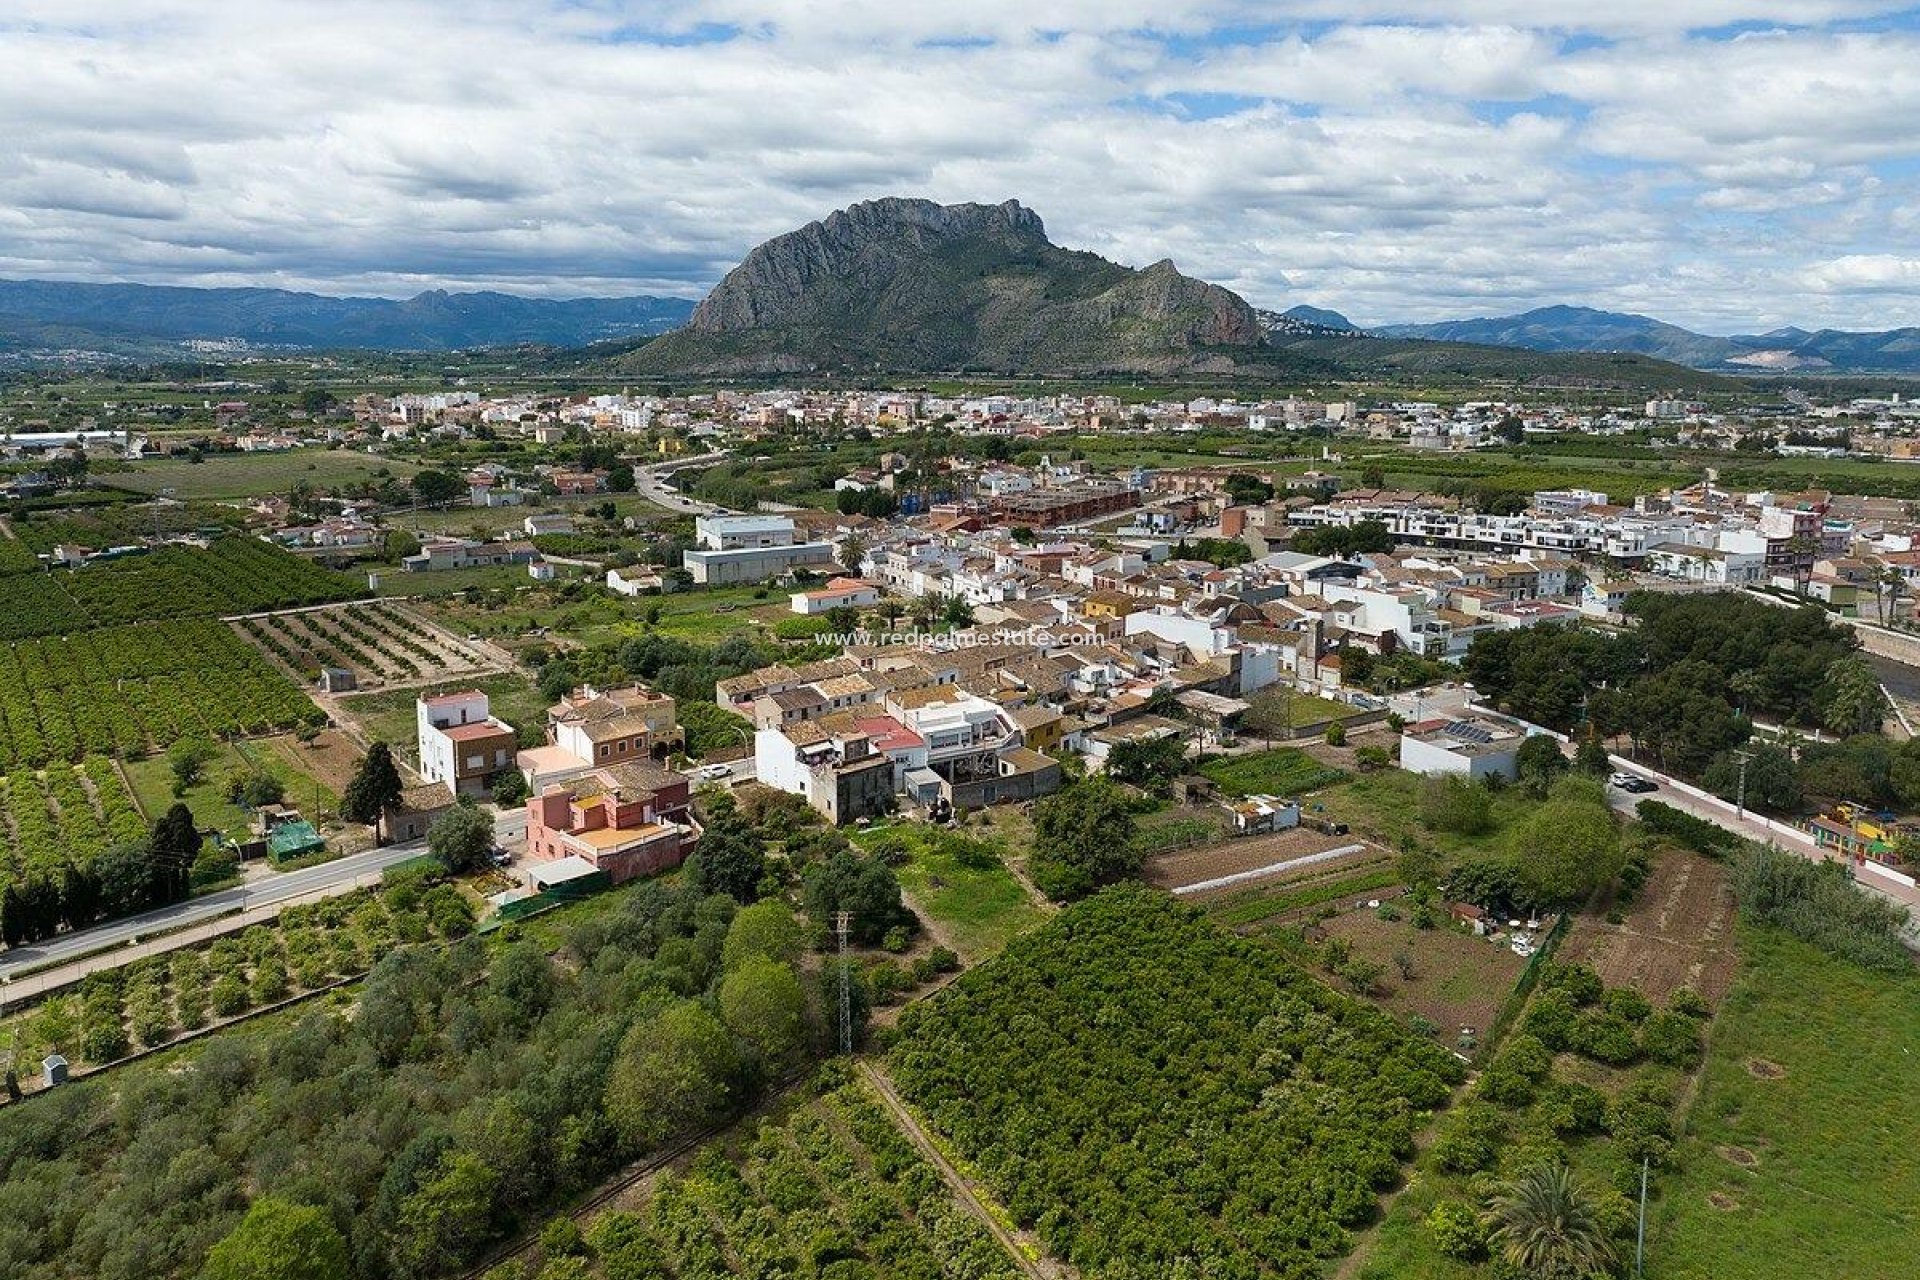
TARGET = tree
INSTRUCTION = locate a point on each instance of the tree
(254, 789)
(728, 860)
(843, 620)
(1565, 850)
(1269, 713)
(373, 789)
(279, 1241)
(1539, 763)
(461, 838)
(763, 1004)
(866, 888)
(1336, 734)
(674, 1071)
(1772, 778)
(437, 488)
(1544, 1223)
(1590, 757)
(172, 849)
(446, 1216)
(1851, 700)
(763, 931)
(853, 549)
(1247, 489)
(1083, 838)
(1449, 802)
(123, 876)
(511, 790)
(1149, 763)
(188, 760)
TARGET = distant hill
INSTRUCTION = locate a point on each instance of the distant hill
(1565, 328)
(1427, 362)
(149, 319)
(1307, 322)
(909, 285)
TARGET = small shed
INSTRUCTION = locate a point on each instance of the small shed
(1193, 788)
(295, 839)
(419, 806)
(1471, 916)
(338, 680)
(53, 1069)
(568, 877)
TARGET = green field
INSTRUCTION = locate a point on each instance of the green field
(245, 475)
(1283, 771)
(152, 780)
(1835, 1189)
(1385, 805)
(389, 717)
(975, 902)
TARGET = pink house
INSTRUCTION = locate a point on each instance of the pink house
(628, 820)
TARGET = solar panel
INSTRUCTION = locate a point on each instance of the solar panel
(1467, 731)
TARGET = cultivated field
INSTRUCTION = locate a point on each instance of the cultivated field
(1679, 933)
(1454, 980)
(1198, 865)
(382, 643)
(245, 475)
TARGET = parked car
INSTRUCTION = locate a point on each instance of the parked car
(715, 771)
(1632, 782)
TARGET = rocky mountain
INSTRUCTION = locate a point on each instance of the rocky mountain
(910, 285)
(149, 319)
(1790, 350)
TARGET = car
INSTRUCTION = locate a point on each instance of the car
(500, 857)
(715, 771)
(1640, 786)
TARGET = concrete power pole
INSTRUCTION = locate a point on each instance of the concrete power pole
(1741, 793)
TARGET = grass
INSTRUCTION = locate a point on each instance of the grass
(389, 717)
(243, 475)
(1835, 1189)
(975, 903)
(1282, 771)
(152, 782)
(688, 615)
(1385, 806)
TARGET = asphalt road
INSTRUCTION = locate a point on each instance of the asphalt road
(1752, 828)
(268, 890)
(650, 483)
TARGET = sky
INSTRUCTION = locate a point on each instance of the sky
(1729, 165)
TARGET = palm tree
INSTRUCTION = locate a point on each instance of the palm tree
(1544, 1223)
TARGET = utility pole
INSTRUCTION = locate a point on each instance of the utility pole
(1640, 1237)
(842, 920)
(1741, 794)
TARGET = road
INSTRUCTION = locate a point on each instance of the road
(261, 898)
(1752, 827)
(650, 482)
(738, 771)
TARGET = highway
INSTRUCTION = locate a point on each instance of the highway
(650, 482)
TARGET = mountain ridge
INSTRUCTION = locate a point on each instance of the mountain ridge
(909, 285)
(65, 314)
(1790, 349)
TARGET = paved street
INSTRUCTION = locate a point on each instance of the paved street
(261, 898)
(1753, 827)
(650, 482)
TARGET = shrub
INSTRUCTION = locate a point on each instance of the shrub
(1551, 1019)
(1456, 1231)
(1570, 1108)
(894, 940)
(1687, 1001)
(1582, 985)
(1606, 1037)
(1470, 1139)
(229, 995)
(1641, 1121)
(1627, 1003)
(1672, 1039)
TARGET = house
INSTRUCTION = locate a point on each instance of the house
(833, 766)
(578, 483)
(635, 582)
(461, 743)
(545, 523)
(625, 820)
(1253, 814)
(1471, 748)
(592, 728)
(414, 815)
(337, 680)
(838, 593)
(464, 553)
(1469, 915)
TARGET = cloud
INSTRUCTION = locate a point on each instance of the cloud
(1705, 160)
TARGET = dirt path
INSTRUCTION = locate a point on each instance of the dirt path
(1019, 1245)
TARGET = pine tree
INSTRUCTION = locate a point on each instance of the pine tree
(375, 788)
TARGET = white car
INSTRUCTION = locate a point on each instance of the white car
(714, 772)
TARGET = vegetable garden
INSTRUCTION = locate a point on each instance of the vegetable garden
(1157, 1097)
(122, 689)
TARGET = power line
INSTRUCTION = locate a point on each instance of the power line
(842, 920)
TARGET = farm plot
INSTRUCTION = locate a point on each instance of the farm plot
(1447, 976)
(381, 643)
(1679, 933)
(1156, 1097)
(124, 689)
(55, 819)
(834, 1190)
(1188, 868)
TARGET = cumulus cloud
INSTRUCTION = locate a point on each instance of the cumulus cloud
(1719, 162)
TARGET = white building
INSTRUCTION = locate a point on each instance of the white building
(1472, 748)
(736, 548)
(461, 744)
